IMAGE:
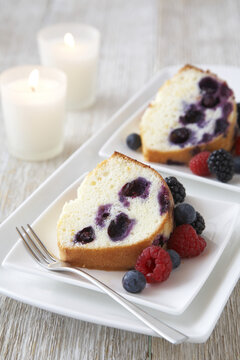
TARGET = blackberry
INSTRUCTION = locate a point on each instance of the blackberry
(238, 114)
(198, 224)
(176, 188)
(220, 162)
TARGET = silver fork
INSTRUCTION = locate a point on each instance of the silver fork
(40, 253)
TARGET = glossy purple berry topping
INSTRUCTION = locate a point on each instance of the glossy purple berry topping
(120, 227)
(84, 236)
(180, 135)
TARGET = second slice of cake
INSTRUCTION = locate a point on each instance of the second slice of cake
(193, 111)
(121, 208)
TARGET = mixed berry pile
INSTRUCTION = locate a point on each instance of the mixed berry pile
(155, 263)
(219, 163)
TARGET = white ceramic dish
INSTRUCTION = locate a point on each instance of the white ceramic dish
(199, 319)
(117, 142)
(172, 296)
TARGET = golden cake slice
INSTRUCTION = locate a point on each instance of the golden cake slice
(121, 208)
(193, 111)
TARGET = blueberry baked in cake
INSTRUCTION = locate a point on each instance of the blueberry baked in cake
(122, 207)
(192, 112)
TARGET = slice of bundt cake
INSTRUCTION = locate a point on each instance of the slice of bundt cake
(121, 208)
(192, 112)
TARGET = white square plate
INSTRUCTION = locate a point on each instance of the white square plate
(117, 142)
(197, 321)
(172, 296)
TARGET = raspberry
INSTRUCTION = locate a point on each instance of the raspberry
(186, 242)
(237, 146)
(155, 264)
(198, 164)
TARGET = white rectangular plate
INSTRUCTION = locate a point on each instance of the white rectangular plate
(197, 321)
(117, 142)
(172, 296)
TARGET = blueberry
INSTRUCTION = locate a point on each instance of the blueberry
(180, 135)
(236, 162)
(102, 214)
(135, 188)
(220, 126)
(134, 141)
(120, 227)
(184, 214)
(208, 84)
(85, 235)
(134, 281)
(209, 100)
(192, 116)
(220, 163)
(175, 257)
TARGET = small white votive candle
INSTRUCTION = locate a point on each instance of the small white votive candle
(33, 104)
(73, 48)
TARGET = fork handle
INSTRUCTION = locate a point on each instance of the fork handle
(160, 328)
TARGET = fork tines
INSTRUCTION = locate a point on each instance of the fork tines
(35, 245)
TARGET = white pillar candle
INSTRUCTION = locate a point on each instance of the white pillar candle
(33, 103)
(73, 48)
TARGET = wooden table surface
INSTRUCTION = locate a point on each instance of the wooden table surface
(139, 37)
